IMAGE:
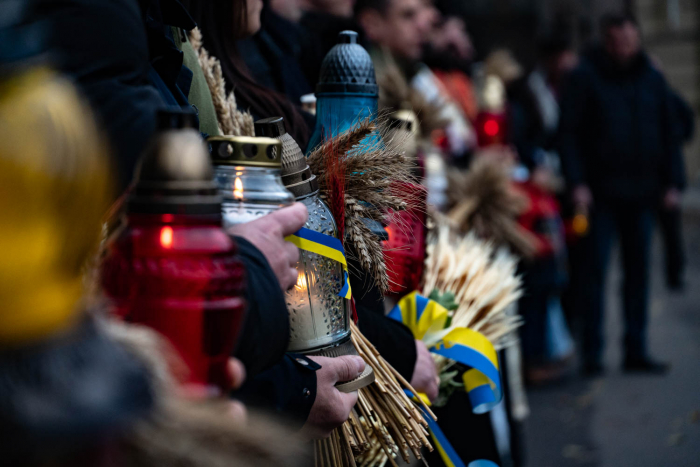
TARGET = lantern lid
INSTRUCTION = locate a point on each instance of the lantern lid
(347, 68)
(296, 174)
(175, 175)
(247, 151)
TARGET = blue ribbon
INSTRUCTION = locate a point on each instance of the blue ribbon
(425, 317)
(447, 453)
(326, 246)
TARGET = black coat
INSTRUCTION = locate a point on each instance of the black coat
(122, 56)
(617, 131)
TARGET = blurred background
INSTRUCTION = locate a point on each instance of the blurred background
(619, 420)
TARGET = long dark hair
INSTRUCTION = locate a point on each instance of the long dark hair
(221, 23)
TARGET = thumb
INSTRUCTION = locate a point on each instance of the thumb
(348, 367)
(290, 219)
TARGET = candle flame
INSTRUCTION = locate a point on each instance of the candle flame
(166, 237)
(301, 282)
(238, 189)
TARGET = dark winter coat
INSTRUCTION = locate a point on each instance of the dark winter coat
(617, 131)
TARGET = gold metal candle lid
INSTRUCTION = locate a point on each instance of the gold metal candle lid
(249, 151)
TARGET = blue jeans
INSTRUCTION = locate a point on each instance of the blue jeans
(633, 225)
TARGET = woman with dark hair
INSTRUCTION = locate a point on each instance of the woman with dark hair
(224, 22)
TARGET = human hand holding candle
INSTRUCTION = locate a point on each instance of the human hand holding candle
(332, 407)
(268, 233)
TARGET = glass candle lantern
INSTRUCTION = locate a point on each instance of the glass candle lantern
(173, 267)
(248, 174)
(347, 91)
(319, 317)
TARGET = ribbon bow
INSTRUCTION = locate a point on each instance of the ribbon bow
(326, 246)
(427, 320)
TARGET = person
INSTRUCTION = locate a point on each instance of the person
(130, 59)
(669, 214)
(533, 122)
(220, 39)
(620, 157)
(272, 54)
(393, 340)
(399, 31)
(320, 22)
(449, 54)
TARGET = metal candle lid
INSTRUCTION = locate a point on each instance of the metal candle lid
(296, 174)
(175, 175)
(347, 68)
(248, 151)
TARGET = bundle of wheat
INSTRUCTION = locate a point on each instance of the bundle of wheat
(396, 93)
(483, 200)
(479, 279)
(385, 422)
(232, 122)
(374, 179)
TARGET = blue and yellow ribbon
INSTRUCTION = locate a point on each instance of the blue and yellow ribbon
(326, 246)
(447, 453)
(427, 320)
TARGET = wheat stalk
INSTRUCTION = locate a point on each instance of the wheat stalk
(383, 425)
(231, 121)
(483, 279)
(484, 201)
(376, 173)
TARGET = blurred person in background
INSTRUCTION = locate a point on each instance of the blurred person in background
(670, 216)
(449, 54)
(533, 125)
(398, 31)
(220, 39)
(620, 156)
(321, 21)
(273, 54)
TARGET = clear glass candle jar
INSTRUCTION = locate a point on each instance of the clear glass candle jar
(247, 172)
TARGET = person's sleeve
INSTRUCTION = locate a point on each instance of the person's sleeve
(686, 116)
(265, 333)
(392, 339)
(103, 47)
(673, 171)
(288, 389)
(571, 122)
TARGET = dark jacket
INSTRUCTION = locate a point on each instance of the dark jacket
(103, 47)
(617, 131)
(393, 340)
(123, 55)
(272, 57)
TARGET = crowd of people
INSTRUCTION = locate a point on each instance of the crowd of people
(591, 140)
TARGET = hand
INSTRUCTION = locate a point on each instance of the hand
(672, 199)
(332, 407)
(268, 233)
(582, 196)
(425, 378)
(198, 392)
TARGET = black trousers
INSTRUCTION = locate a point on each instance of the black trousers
(671, 227)
(633, 224)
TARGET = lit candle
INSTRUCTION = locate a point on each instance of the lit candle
(238, 189)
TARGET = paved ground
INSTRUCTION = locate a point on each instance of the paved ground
(636, 421)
